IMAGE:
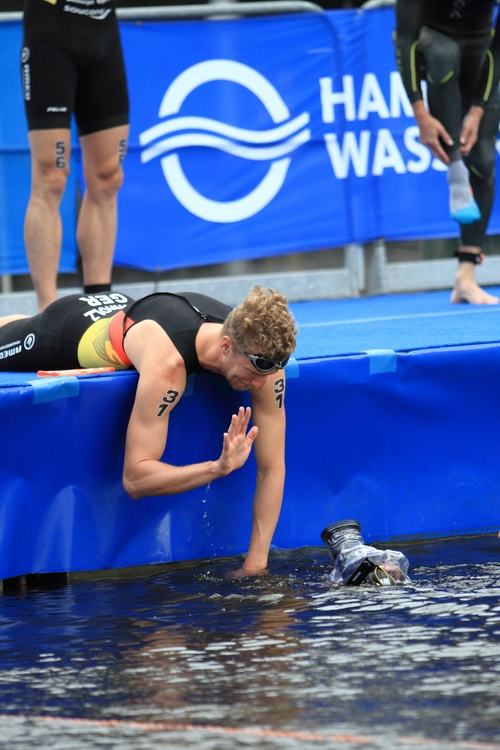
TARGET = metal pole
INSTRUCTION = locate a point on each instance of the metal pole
(377, 281)
(166, 12)
(6, 283)
(371, 4)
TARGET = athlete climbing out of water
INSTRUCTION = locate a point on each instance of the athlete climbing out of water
(166, 337)
(449, 43)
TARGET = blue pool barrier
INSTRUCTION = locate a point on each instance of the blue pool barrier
(406, 442)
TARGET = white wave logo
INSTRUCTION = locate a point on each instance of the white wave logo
(272, 145)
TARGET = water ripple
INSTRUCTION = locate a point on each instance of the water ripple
(284, 653)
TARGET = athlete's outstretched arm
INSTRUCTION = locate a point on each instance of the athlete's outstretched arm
(145, 474)
(162, 380)
(268, 410)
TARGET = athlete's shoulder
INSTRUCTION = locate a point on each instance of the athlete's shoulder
(207, 305)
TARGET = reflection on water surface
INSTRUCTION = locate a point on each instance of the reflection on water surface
(285, 653)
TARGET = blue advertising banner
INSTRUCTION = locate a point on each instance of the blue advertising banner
(225, 138)
(253, 137)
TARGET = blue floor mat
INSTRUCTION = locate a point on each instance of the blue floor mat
(401, 322)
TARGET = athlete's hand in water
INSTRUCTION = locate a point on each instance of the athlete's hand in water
(470, 128)
(237, 442)
(432, 132)
(234, 575)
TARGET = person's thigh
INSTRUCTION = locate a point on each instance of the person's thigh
(102, 94)
(441, 54)
(23, 347)
(49, 83)
(442, 65)
(473, 55)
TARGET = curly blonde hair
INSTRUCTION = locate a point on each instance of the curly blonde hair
(262, 324)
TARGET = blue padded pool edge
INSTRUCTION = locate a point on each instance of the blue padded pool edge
(403, 439)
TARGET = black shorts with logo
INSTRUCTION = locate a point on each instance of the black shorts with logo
(72, 62)
(49, 341)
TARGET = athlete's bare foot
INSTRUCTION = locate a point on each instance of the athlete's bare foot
(467, 290)
(473, 294)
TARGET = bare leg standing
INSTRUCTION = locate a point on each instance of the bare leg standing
(102, 153)
(43, 227)
(72, 65)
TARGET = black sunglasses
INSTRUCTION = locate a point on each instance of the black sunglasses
(263, 364)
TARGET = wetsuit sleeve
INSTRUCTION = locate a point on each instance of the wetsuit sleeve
(409, 15)
(490, 75)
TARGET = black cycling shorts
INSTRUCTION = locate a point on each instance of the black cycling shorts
(72, 64)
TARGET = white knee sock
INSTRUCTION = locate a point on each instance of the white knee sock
(463, 207)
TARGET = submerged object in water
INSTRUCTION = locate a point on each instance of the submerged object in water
(356, 563)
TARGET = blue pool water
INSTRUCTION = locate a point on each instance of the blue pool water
(188, 659)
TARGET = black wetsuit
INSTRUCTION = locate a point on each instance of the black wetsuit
(88, 330)
(449, 43)
(72, 61)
